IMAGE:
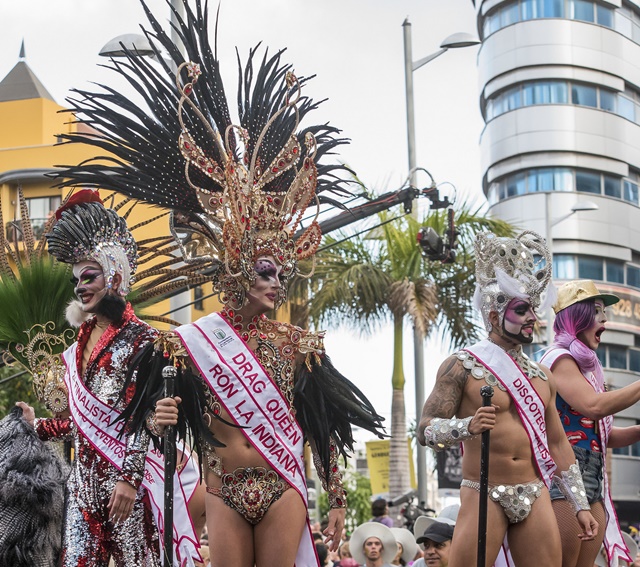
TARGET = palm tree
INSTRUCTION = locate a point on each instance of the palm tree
(366, 281)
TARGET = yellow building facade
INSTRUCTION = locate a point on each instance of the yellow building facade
(30, 123)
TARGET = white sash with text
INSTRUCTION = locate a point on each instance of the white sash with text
(98, 424)
(613, 540)
(527, 401)
(254, 402)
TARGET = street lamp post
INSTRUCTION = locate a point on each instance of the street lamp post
(451, 42)
(550, 223)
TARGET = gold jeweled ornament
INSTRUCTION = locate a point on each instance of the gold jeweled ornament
(42, 351)
(246, 221)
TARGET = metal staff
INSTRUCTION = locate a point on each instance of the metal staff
(487, 393)
(169, 374)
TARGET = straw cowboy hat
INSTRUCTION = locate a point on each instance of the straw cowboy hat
(409, 546)
(368, 530)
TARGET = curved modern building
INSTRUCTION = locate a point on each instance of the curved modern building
(560, 95)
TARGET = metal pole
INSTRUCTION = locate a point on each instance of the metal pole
(169, 374)
(418, 340)
(549, 239)
(487, 393)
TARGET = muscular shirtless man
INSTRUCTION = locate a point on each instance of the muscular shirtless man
(527, 439)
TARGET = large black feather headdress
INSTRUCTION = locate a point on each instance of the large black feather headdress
(236, 191)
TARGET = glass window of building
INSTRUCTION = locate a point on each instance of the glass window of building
(198, 298)
(564, 267)
(516, 185)
(590, 268)
(604, 15)
(584, 95)
(630, 192)
(633, 276)
(582, 10)
(617, 356)
(512, 99)
(634, 360)
(530, 9)
(601, 353)
(626, 108)
(510, 14)
(551, 8)
(608, 100)
(40, 211)
(615, 271)
(545, 180)
(562, 179)
(588, 182)
(612, 186)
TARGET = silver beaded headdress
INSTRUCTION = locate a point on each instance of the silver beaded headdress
(507, 268)
(86, 230)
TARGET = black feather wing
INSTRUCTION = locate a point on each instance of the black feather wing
(328, 405)
(136, 136)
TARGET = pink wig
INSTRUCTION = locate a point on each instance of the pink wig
(569, 323)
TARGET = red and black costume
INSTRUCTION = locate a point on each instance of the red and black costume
(90, 538)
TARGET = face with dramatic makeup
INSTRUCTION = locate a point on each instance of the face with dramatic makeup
(591, 336)
(518, 322)
(264, 293)
(89, 284)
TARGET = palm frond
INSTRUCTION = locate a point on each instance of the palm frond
(38, 295)
(349, 285)
(361, 281)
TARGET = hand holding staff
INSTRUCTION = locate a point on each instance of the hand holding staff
(487, 393)
(169, 374)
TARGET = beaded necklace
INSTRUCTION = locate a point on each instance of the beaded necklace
(245, 330)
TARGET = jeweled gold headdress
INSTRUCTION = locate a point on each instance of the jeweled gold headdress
(257, 220)
(41, 353)
(507, 268)
(236, 190)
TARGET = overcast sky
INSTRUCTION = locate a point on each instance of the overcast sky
(355, 47)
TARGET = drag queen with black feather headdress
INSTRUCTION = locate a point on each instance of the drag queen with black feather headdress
(250, 389)
(111, 508)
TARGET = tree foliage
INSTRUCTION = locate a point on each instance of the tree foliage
(358, 489)
(381, 276)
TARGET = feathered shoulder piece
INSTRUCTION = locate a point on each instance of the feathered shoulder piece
(147, 370)
(327, 406)
(32, 478)
(237, 190)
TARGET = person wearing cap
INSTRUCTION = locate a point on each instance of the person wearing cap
(373, 545)
(586, 410)
(407, 546)
(436, 541)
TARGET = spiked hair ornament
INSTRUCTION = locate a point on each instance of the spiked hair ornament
(236, 191)
(507, 268)
(86, 230)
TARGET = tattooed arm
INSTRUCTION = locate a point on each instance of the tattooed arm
(434, 428)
